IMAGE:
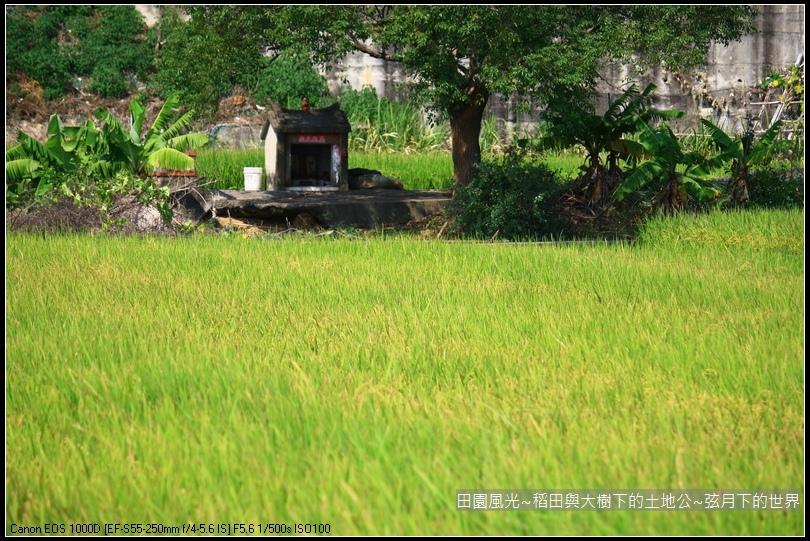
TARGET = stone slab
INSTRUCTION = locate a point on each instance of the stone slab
(354, 208)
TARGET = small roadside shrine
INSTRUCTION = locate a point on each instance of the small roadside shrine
(306, 149)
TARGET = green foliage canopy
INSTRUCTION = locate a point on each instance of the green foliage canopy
(458, 54)
(219, 47)
(287, 79)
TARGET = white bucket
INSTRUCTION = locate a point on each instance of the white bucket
(253, 178)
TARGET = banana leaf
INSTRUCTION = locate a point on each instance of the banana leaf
(169, 158)
(43, 186)
(20, 169)
(189, 141)
(699, 191)
(643, 174)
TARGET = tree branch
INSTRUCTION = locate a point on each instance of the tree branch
(372, 51)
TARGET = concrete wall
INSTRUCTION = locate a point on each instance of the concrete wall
(724, 89)
(358, 70)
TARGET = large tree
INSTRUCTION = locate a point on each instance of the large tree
(458, 56)
(203, 52)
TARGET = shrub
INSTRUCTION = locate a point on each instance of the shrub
(32, 49)
(510, 198)
(107, 81)
(772, 188)
(83, 199)
(359, 105)
(54, 45)
(290, 78)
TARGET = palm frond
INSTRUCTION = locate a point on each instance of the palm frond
(629, 149)
(182, 124)
(43, 186)
(84, 137)
(699, 191)
(137, 115)
(767, 145)
(723, 142)
(771, 133)
(105, 168)
(32, 148)
(112, 127)
(620, 104)
(15, 152)
(656, 115)
(55, 126)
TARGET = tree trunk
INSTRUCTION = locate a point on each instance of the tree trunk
(669, 200)
(739, 191)
(465, 129)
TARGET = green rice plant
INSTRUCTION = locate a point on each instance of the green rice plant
(751, 230)
(396, 127)
(223, 169)
(566, 163)
(362, 383)
(423, 171)
(418, 171)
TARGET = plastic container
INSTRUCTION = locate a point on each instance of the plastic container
(253, 178)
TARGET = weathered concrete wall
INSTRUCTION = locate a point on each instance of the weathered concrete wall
(359, 70)
(723, 90)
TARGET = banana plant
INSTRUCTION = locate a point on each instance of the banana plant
(606, 135)
(64, 149)
(111, 148)
(31, 163)
(24, 168)
(36, 168)
(744, 152)
(162, 146)
(684, 175)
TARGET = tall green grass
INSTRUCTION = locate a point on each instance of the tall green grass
(360, 383)
(223, 169)
(432, 171)
(397, 127)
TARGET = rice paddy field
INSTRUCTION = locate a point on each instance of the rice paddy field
(364, 386)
